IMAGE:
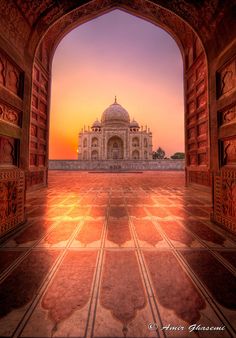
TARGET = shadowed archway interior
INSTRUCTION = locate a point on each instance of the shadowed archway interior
(115, 148)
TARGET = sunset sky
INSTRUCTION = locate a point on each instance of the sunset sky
(116, 54)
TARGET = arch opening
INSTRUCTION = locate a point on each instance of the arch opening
(196, 84)
(115, 148)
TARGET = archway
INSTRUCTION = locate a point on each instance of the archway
(127, 235)
(94, 155)
(188, 24)
(196, 82)
(195, 74)
(135, 155)
(94, 142)
(115, 148)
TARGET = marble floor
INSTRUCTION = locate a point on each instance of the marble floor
(118, 255)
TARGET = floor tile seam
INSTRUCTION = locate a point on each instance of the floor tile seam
(205, 293)
(221, 231)
(28, 250)
(146, 281)
(207, 222)
(43, 287)
(45, 217)
(224, 262)
(16, 231)
(91, 318)
(36, 207)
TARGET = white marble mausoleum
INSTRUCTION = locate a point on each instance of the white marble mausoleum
(115, 137)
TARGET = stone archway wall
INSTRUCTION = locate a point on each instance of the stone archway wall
(196, 83)
(209, 91)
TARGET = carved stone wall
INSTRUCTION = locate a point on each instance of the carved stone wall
(12, 195)
(227, 115)
(10, 114)
(225, 179)
(8, 151)
(10, 75)
(200, 177)
(39, 121)
(12, 180)
(197, 116)
(226, 78)
(225, 199)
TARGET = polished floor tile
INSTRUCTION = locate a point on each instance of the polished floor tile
(118, 255)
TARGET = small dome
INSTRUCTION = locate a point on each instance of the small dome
(115, 114)
(96, 124)
(134, 124)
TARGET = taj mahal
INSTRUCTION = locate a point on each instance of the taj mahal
(115, 138)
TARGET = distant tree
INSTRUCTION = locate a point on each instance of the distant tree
(178, 156)
(159, 154)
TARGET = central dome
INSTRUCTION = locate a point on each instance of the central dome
(115, 114)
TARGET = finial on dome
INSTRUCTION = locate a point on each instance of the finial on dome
(115, 99)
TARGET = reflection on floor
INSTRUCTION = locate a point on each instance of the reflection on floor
(118, 255)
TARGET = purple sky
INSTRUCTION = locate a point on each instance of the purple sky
(117, 54)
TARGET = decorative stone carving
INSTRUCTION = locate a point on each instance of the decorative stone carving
(202, 144)
(34, 101)
(200, 177)
(191, 107)
(227, 78)
(10, 75)
(202, 128)
(33, 130)
(7, 151)
(33, 159)
(201, 71)
(197, 110)
(201, 86)
(190, 82)
(13, 81)
(191, 146)
(191, 120)
(229, 152)
(38, 151)
(228, 115)
(225, 198)
(201, 100)
(191, 133)
(32, 9)
(35, 177)
(192, 159)
(9, 114)
(2, 72)
(229, 197)
(14, 27)
(202, 158)
(12, 188)
(202, 114)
